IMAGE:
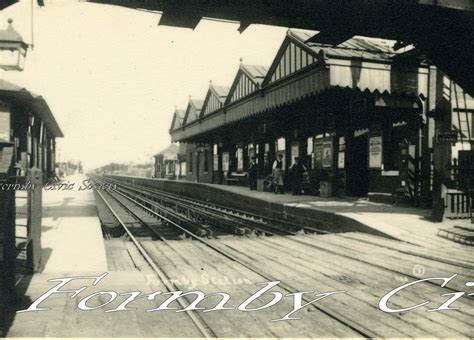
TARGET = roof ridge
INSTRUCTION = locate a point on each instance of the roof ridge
(254, 65)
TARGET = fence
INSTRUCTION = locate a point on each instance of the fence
(20, 234)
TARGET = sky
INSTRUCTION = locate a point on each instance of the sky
(113, 77)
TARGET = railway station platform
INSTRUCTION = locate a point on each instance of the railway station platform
(73, 246)
(362, 265)
(404, 223)
(71, 234)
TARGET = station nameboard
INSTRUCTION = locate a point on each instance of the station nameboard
(447, 136)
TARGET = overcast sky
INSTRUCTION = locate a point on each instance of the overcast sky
(112, 77)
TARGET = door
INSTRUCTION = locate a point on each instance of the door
(357, 174)
(198, 165)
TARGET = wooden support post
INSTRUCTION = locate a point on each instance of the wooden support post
(334, 172)
(261, 159)
(35, 206)
(219, 164)
(441, 151)
(7, 237)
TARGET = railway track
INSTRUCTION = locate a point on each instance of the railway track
(114, 204)
(191, 220)
(214, 216)
(196, 211)
(223, 250)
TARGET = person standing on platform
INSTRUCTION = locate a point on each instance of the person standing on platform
(253, 174)
(297, 173)
(278, 174)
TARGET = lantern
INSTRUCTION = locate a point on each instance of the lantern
(12, 49)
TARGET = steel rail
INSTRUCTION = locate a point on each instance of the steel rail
(346, 256)
(203, 328)
(226, 211)
(363, 331)
(225, 219)
(414, 253)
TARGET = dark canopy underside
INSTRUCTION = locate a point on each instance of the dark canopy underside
(443, 30)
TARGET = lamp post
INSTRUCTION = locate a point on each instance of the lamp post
(12, 49)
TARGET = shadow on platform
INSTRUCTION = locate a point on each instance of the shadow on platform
(12, 302)
(70, 211)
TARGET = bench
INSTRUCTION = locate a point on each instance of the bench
(236, 178)
(231, 180)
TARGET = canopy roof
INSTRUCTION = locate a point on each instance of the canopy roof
(442, 30)
(302, 68)
(34, 102)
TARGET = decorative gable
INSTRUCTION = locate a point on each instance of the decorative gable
(177, 121)
(293, 56)
(193, 111)
(247, 81)
(243, 87)
(215, 99)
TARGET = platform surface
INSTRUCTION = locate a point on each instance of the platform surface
(71, 237)
(73, 246)
(408, 224)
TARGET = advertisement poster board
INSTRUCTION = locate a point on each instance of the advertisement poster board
(225, 161)
(327, 154)
(4, 124)
(375, 152)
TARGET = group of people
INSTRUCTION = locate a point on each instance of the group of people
(297, 170)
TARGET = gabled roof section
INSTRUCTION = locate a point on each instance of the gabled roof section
(358, 47)
(169, 152)
(294, 55)
(178, 118)
(193, 111)
(215, 99)
(249, 79)
(298, 52)
(255, 72)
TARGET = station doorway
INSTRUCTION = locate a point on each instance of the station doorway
(198, 165)
(357, 173)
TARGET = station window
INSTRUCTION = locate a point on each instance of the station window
(215, 158)
(281, 144)
(183, 168)
(309, 148)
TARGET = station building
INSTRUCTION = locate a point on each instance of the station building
(359, 115)
(168, 162)
(28, 132)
